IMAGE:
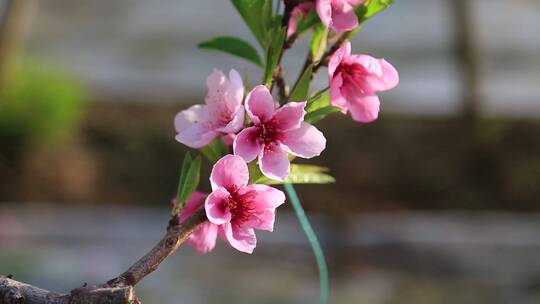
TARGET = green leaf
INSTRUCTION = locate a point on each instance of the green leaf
(319, 114)
(318, 42)
(255, 173)
(257, 15)
(317, 101)
(301, 174)
(371, 8)
(272, 54)
(301, 88)
(233, 46)
(189, 179)
(214, 150)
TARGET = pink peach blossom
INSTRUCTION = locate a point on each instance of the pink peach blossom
(338, 15)
(354, 80)
(299, 12)
(276, 132)
(237, 207)
(222, 114)
(203, 239)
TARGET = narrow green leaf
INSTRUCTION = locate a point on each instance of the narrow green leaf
(318, 42)
(272, 54)
(233, 46)
(183, 172)
(301, 88)
(255, 173)
(257, 15)
(371, 8)
(214, 150)
(319, 114)
(191, 181)
(321, 99)
(301, 174)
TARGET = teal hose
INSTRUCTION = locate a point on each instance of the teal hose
(312, 238)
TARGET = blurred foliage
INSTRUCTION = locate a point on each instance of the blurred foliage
(38, 106)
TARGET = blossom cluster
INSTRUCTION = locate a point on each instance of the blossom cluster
(270, 134)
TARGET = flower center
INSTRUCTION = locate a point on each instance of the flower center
(239, 207)
(353, 74)
(268, 133)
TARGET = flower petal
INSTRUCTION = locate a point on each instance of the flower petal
(263, 220)
(230, 172)
(216, 206)
(343, 17)
(274, 162)
(324, 10)
(336, 98)
(389, 78)
(337, 57)
(189, 117)
(197, 135)
(246, 144)
(242, 239)
(236, 123)
(305, 142)
(266, 196)
(194, 202)
(289, 116)
(203, 239)
(235, 89)
(260, 104)
(364, 108)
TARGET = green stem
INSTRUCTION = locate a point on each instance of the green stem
(312, 238)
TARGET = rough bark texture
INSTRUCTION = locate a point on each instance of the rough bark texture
(116, 291)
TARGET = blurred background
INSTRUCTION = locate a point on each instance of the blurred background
(435, 202)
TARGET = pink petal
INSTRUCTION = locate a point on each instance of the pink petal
(289, 116)
(228, 139)
(364, 108)
(343, 17)
(305, 142)
(230, 172)
(291, 29)
(242, 239)
(224, 96)
(235, 124)
(235, 89)
(337, 57)
(203, 239)
(216, 206)
(194, 202)
(389, 78)
(266, 196)
(246, 144)
(324, 10)
(189, 117)
(260, 104)
(336, 98)
(274, 162)
(197, 135)
(263, 220)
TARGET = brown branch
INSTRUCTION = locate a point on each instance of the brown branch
(279, 78)
(14, 292)
(116, 291)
